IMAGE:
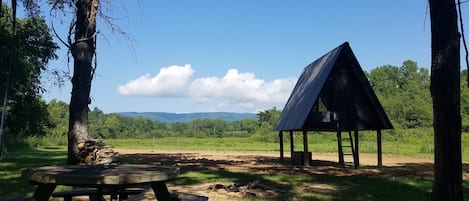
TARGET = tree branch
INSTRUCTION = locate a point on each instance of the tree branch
(57, 35)
(463, 39)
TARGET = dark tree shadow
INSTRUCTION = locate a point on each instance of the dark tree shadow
(21, 158)
(304, 183)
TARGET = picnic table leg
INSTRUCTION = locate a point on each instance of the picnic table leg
(43, 192)
(161, 191)
(98, 197)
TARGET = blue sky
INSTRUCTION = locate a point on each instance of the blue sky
(238, 56)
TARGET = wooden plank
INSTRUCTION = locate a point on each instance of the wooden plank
(15, 198)
(292, 146)
(280, 135)
(380, 151)
(69, 194)
(306, 158)
(357, 150)
(106, 191)
(339, 149)
(43, 192)
(161, 191)
(352, 147)
(100, 175)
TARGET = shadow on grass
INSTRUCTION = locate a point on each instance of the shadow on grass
(22, 156)
(323, 181)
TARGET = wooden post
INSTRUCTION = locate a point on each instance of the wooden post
(161, 191)
(43, 192)
(280, 135)
(292, 146)
(357, 150)
(380, 157)
(305, 147)
(339, 148)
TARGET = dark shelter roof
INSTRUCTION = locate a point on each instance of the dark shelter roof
(333, 94)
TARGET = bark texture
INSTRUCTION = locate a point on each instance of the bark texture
(445, 90)
(83, 51)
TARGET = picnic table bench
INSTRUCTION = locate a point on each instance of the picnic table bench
(121, 194)
(104, 177)
(96, 194)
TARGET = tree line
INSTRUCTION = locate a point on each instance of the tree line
(115, 126)
(446, 93)
(402, 90)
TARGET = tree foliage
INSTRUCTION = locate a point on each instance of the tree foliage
(404, 93)
(114, 126)
(32, 50)
(402, 90)
(269, 117)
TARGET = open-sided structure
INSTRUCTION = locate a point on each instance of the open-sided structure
(333, 94)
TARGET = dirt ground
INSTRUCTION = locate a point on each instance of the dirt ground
(268, 163)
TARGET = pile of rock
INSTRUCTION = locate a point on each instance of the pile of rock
(254, 188)
(96, 152)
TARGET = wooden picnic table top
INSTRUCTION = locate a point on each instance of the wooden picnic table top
(119, 175)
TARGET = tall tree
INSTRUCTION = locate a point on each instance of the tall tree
(23, 58)
(12, 50)
(269, 116)
(444, 86)
(83, 51)
(404, 93)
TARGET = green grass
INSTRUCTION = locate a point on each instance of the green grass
(229, 144)
(415, 147)
(409, 142)
(298, 186)
(16, 159)
(306, 186)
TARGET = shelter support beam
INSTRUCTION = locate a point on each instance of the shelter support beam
(305, 147)
(280, 135)
(380, 151)
(292, 146)
(357, 151)
(339, 148)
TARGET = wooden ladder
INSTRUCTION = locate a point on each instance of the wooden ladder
(348, 145)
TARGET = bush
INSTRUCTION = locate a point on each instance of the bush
(426, 148)
(265, 134)
(53, 139)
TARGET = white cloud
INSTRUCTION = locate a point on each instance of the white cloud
(241, 91)
(234, 92)
(169, 82)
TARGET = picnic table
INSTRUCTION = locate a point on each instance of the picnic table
(101, 177)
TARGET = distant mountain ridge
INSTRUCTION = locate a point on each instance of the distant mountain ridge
(186, 117)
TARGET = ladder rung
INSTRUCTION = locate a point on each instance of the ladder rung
(345, 139)
(346, 146)
(348, 154)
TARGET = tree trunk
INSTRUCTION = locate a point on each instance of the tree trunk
(445, 90)
(9, 72)
(83, 51)
(2, 119)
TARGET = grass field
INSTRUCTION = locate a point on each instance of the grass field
(295, 187)
(17, 159)
(416, 147)
(323, 187)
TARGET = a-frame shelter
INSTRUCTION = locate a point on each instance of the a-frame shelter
(333, 95)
